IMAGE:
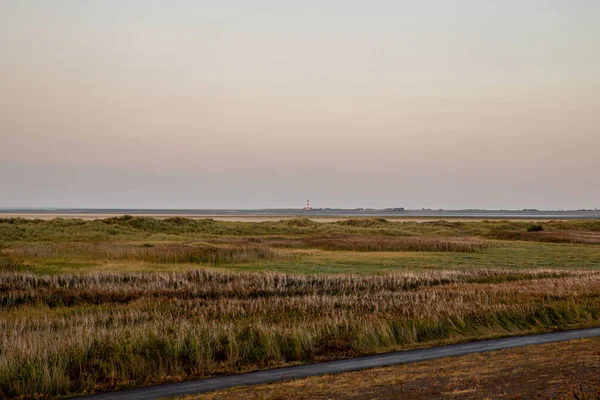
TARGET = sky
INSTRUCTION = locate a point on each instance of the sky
(267, 103)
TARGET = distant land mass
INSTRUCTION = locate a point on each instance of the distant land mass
(398, 212)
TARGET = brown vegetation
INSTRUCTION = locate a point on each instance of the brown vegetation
(406, 243)
(370, 243)
(159, 253)
(578, 237)
(74, 333)
(78, 333)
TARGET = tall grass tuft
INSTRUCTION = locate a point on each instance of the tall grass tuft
(406, 243)
(159, 253)
(576, 237)
(368, 243)
(70, 334)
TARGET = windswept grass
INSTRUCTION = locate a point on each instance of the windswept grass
(78, 333)
(369, 243)
(408, 243)
(300, 245)
(577, 237)
(159, 253)
(177, 229)
(10, 265)
(74, 333)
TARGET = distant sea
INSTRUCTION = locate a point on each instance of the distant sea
(478, 214)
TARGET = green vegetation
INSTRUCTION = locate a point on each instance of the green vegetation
(295, 246)
(99, 305)
(535, 228)
(129, 228)
(78, 333)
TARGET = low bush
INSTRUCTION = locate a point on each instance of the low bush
(535, 228)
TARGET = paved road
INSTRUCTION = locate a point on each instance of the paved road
(354, 364)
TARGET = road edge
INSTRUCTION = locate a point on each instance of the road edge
(207, 385)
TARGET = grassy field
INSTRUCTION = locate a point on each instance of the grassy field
(98, 305)
(568, 370)
(357, 246)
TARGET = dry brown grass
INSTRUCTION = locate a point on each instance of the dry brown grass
(568, 370)
(160, 253)
(578, 237)
(74, 333)
(370, 243)
(408, 243)
(77, 333)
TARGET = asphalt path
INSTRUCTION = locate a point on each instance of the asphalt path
(334, 367)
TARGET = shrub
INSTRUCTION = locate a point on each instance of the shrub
(535, 228)
(364, 222)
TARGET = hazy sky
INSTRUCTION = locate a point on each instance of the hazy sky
(251, 104)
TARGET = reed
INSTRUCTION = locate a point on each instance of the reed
(368, 243)
(144, 228)
(68, 334)
(159, 253)
(405, 243)
(576, 237)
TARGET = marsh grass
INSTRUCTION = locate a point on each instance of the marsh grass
(79, 333)
(74, 333)
(369, 243)
(10, 265)
(576, 237)
(155, 253)
(407, 243)
(145, 228)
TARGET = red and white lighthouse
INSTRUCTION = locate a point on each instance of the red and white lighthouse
(307, 207)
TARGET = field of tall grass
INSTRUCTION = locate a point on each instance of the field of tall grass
(68, 334)
(405, 243)
(66, 328)
(576, 237)
(145, 228)
(157, 253)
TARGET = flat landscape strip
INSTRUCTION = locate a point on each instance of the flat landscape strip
(347, 365)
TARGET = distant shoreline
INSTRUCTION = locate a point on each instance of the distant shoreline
(330, 215)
